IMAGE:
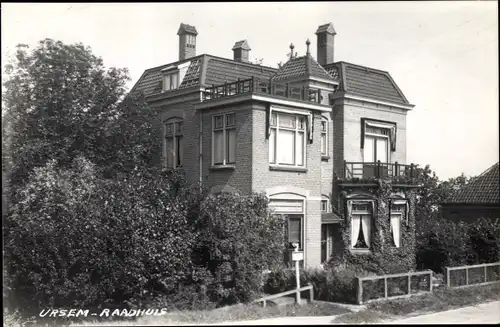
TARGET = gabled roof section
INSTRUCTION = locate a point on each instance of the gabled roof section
(367, 82)
(326, 28)
(241, 45)
(304, 66)
(203, 70)
(186, 29)
(484, 189)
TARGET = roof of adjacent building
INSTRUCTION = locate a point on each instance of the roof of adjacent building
(304, 66)
(367, 82)
(185, 28)
(483, 189)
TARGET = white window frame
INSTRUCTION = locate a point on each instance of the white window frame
(169, 77)
(274, 126)
(362, 213)
(176, 133)
(224, 129)
(401, 204)
(324, 199)
(325, 134)
(376, 136)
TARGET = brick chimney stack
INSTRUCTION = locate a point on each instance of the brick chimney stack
(187, 41)
(325, 45)
(241, 51)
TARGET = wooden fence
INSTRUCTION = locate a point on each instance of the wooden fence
(482, 274)
(275, 296)
(393, 286)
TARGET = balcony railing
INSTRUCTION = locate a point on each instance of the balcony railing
(255, 85)
(367, 170)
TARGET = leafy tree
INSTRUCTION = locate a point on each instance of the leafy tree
(61, 102)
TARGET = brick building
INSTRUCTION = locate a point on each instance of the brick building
(300, 133)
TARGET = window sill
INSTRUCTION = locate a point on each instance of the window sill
(325, 158)
(361, 251)
(223, 167)
(285, 168)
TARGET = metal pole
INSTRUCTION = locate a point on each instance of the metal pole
(297, 276)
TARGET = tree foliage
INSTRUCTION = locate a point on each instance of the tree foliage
(60, 102)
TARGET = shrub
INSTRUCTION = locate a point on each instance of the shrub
(238, 240)
(76, 240)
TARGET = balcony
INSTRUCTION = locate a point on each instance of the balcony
(369, 171)
(267, 87)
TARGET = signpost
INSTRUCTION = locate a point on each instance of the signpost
(297, 256)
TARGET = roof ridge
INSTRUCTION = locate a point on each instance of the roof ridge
(487, 170)
(321, 67)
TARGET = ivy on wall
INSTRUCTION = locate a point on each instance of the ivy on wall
(383, 257)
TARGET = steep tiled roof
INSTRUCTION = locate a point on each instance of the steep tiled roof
(484, 189)
(326, 28)
(215, 70)
(368, 82)
(242, 45)
(301, 66)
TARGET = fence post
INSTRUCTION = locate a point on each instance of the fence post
(430, 281)
(466, 276)
(448, 283)
(409, 283)
(264, 304)
(385, 287)
(360, 291)
(485, 274)
(311, 294)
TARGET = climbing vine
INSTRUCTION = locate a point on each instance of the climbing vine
(383, 257)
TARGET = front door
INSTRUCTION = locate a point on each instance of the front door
(326, 241)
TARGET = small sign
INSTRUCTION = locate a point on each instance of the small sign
(297, 256)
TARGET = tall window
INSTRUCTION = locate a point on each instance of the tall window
(174, 143)
(398, 211)
(224, 139)
(325, 204)
(287, 141)
(324, 136)
(361, 225)
(376, 145)
(171, 81)
(293, 211)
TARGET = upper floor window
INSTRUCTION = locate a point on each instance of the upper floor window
(378, 141)
(170, 81)
(361, 221)
(224, 139)
(287, 139)
(324, 136)
(174, 143)
(325, 203)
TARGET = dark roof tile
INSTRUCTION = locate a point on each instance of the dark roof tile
(326, 28)
(302, 66)
(483, 189)
(185, 28)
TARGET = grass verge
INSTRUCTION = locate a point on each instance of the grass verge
(439, 300)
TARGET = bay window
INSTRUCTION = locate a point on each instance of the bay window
(287, 139)
(224, 139)
(173, 143)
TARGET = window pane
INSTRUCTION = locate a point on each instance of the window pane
(286, 120)
(294, 229)
(230, 120)
(300, 149)
(302, 122)
(170, 152)
(324, 205)
(166, 82)
(178, 128)
(218, 147)
(179, 150)
(231, 145)
(168, 129)
(272, 146)
(382, 149)
(369, 152)
(286, 145)
(323, 143)
(174, 81)
(323, 126)
(273, 120)
(218, 120)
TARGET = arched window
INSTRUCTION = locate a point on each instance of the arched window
(173, 143)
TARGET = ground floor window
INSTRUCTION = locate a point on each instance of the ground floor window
(361, 222)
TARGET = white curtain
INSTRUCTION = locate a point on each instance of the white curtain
(218, 147)
(396, 228)
(286, 141)
(272, 146)
(299, 155)
(382, 146)
(355, 229)
(310, 122)
(366, 222)
(407, 211)
(368, 151)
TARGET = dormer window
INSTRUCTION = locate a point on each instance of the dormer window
(171, 81)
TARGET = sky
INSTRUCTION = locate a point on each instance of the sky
(443, 55)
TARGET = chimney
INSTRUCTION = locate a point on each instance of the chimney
(325, 44)
(241, 51)
(187, 41)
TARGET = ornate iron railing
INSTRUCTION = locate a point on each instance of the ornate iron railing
(366, 170)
